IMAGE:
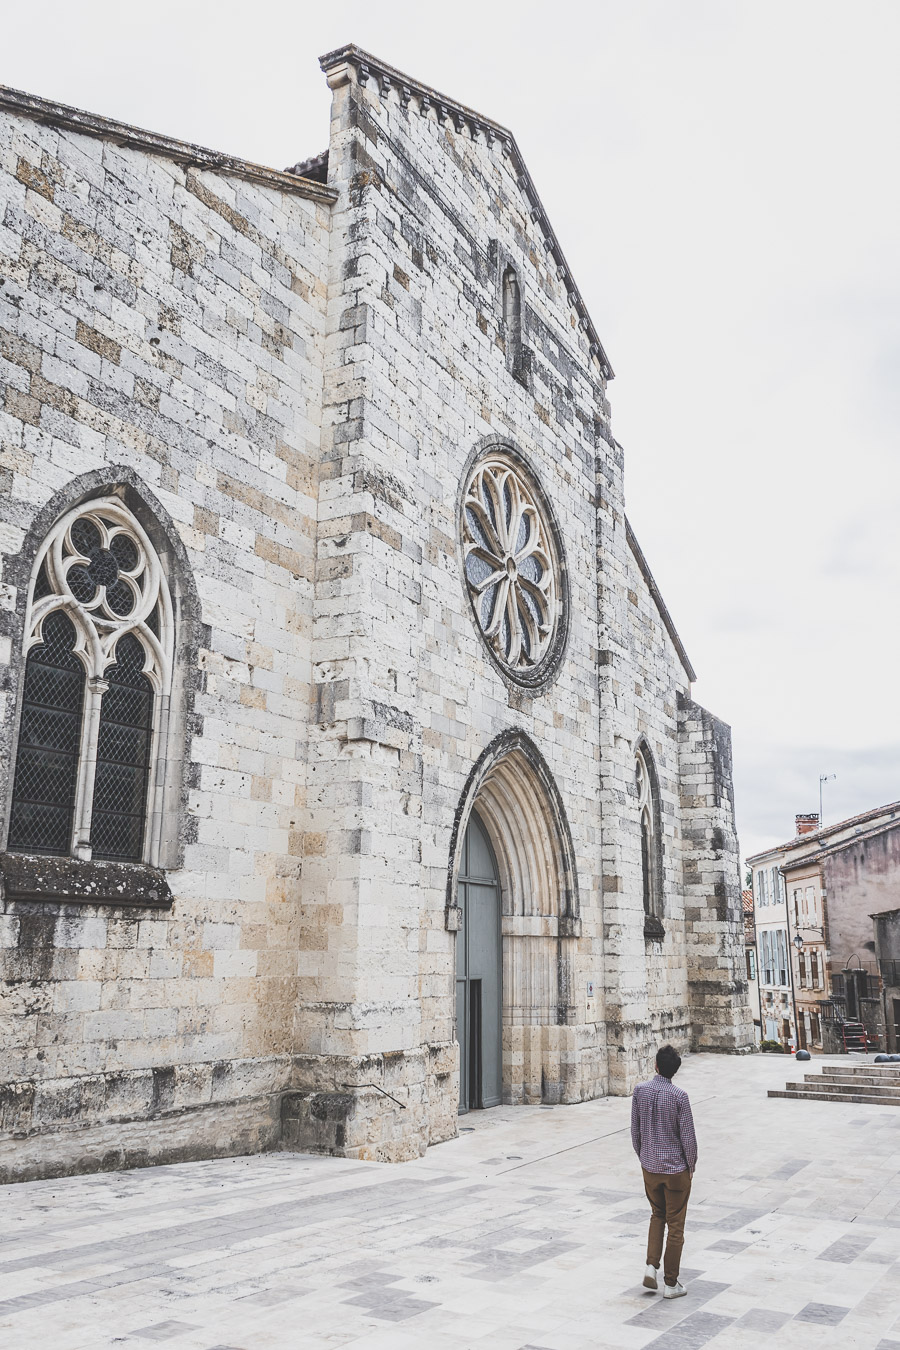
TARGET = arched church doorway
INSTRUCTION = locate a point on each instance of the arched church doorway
(478, 977)
(512, 900)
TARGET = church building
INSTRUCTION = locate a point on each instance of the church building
(350, 777)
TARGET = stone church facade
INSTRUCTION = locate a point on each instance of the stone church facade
(351, 775)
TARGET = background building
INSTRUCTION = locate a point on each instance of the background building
(834, 880)
(887, 954)
(772, 959)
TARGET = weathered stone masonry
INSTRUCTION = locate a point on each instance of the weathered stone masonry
(288, 382)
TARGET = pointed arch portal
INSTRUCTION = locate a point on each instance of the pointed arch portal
(512, 899)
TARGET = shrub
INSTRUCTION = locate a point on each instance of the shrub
(775, 1046)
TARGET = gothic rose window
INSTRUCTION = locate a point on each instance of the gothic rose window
(98, 666)
(511, 566)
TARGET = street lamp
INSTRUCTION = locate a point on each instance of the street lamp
(810, 928)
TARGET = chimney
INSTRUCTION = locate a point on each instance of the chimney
(807, 824)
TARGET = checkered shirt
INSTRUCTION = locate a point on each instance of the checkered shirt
(662, 1127)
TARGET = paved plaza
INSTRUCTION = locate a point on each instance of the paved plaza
(526, 1233)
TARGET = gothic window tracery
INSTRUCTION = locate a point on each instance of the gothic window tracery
(511, 566)
(99, 640)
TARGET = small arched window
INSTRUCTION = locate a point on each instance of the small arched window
(99, 639)
(648, 813)
(512, 314)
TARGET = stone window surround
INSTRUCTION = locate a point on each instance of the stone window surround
(98, 628)
(535, 682)
(564, 904)
(650, 815)
(512, 314)
(81, 880)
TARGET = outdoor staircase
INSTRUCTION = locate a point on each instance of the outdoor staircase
(872, 1084)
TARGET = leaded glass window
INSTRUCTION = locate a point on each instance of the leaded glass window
(49, 738)
(123, 757)
(99, 638)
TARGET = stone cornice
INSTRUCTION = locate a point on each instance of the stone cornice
(194, 156)
(411, 93)
(658, 600)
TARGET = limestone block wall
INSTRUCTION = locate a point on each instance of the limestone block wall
(716, 968)
(287, 383)
(642, 676)
(161, 335)
(417, 382)
(420, 380)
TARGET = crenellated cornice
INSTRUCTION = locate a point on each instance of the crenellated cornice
(416, 97)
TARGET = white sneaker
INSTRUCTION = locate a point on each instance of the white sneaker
(676, 1290)
(650, 1278)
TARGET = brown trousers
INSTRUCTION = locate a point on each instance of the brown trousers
(668, 1193)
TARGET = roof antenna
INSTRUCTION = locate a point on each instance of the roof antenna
(823, 778)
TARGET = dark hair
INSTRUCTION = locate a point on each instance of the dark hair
(668, 1061)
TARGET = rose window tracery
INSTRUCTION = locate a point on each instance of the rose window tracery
(511, 566)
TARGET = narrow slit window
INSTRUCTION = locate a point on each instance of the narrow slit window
(512, 313)
(651, 870)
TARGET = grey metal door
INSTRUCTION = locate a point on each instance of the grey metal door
(478, 1017)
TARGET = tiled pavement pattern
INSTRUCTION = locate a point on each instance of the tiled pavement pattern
(527, 1233)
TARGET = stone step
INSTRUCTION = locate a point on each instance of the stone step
(857, 1098)
(817, 1084)
(873, 1076)
(879, 1070)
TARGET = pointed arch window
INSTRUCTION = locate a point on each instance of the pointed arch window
(517, 357)
(651, 857)
(99, 641)
(512, 310)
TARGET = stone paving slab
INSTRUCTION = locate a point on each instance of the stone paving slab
(526, 1233)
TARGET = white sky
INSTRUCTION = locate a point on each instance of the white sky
(725, 180)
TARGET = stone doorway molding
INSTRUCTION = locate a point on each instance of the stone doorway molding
(522, 811)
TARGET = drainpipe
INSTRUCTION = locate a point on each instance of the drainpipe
(756, 959)
(790, 957)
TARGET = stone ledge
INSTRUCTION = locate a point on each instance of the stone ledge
(77, 881)
(653, 928)
(135, 138)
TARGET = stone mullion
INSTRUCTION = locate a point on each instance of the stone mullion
(95, 688)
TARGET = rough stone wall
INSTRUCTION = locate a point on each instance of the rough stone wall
(641, 679)
(163, 327)
(717, 977)
(408, 699)
(419, 378)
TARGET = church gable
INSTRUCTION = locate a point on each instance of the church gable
(458, 195)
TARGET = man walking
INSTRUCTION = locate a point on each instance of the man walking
(662, 1132)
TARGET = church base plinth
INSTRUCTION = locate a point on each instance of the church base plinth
(385, 1108)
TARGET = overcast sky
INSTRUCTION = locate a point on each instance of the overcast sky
(724, 179)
